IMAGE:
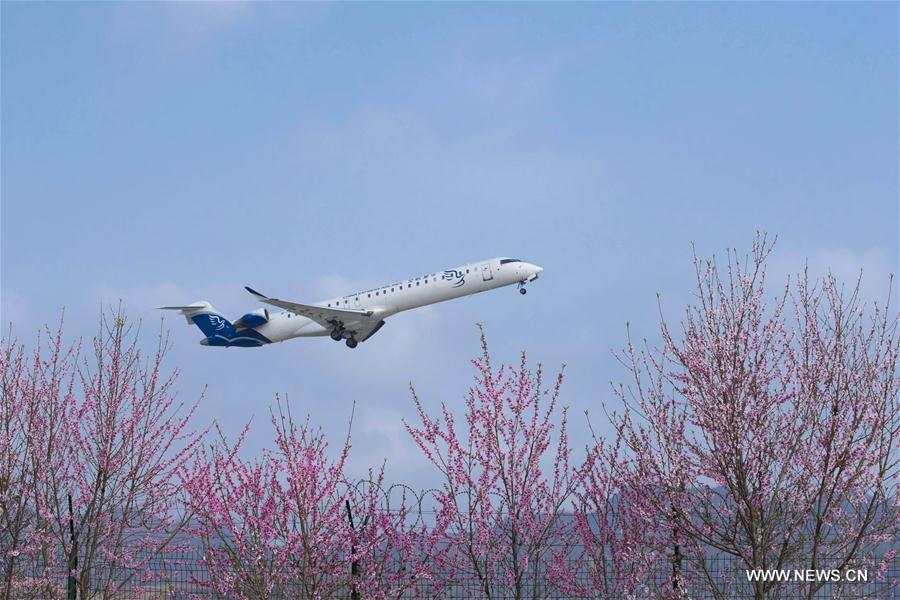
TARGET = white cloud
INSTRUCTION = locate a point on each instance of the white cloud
(205, 18)
(409, 158)
(844, 264)
(400, 342)
(184, 27)
(380, 433)
(13, 309)
(144, 299)
(139, 297)
(179, 25)
(474, 131)
(335, 284)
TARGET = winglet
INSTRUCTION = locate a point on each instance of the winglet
(254, 292)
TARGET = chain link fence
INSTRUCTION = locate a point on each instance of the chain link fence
(183, 575)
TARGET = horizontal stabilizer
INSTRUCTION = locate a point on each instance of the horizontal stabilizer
(190, 309)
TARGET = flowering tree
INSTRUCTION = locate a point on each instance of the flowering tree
(765, 430)
(98, 439)
(769, 428)
(289, 524)
(274, 525)
(36, 386)
(395, 550)
(504, 508)
(621, 545)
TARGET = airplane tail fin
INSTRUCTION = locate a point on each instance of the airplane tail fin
(208, 319)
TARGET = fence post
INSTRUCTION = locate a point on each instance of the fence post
(676, 558)
(71, 581)
(354, 564)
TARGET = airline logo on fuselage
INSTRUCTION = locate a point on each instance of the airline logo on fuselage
(217, 322)
(453, 274)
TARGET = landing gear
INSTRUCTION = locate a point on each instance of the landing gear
(351, 342)
(337, 335)
(522, 290)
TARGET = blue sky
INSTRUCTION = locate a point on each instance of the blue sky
(163, 153)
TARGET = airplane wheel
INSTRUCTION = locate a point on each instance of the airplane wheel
(523, 291)
(336, 335)
(351, 342)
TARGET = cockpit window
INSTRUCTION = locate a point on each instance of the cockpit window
(505, 261)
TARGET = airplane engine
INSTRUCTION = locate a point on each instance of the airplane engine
(258, 317)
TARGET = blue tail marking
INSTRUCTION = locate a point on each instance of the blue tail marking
(212, 324)
(219, 331)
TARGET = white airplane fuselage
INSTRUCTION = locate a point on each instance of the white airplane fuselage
(406, 294)
(355, 317)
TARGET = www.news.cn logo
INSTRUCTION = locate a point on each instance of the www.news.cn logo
(808, 575)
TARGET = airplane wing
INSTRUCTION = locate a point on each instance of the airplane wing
(366, 330)
(323, 315)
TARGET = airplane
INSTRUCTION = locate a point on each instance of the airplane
(355, 317)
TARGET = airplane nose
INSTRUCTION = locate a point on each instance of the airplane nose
(532, 271)
(204, 342)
